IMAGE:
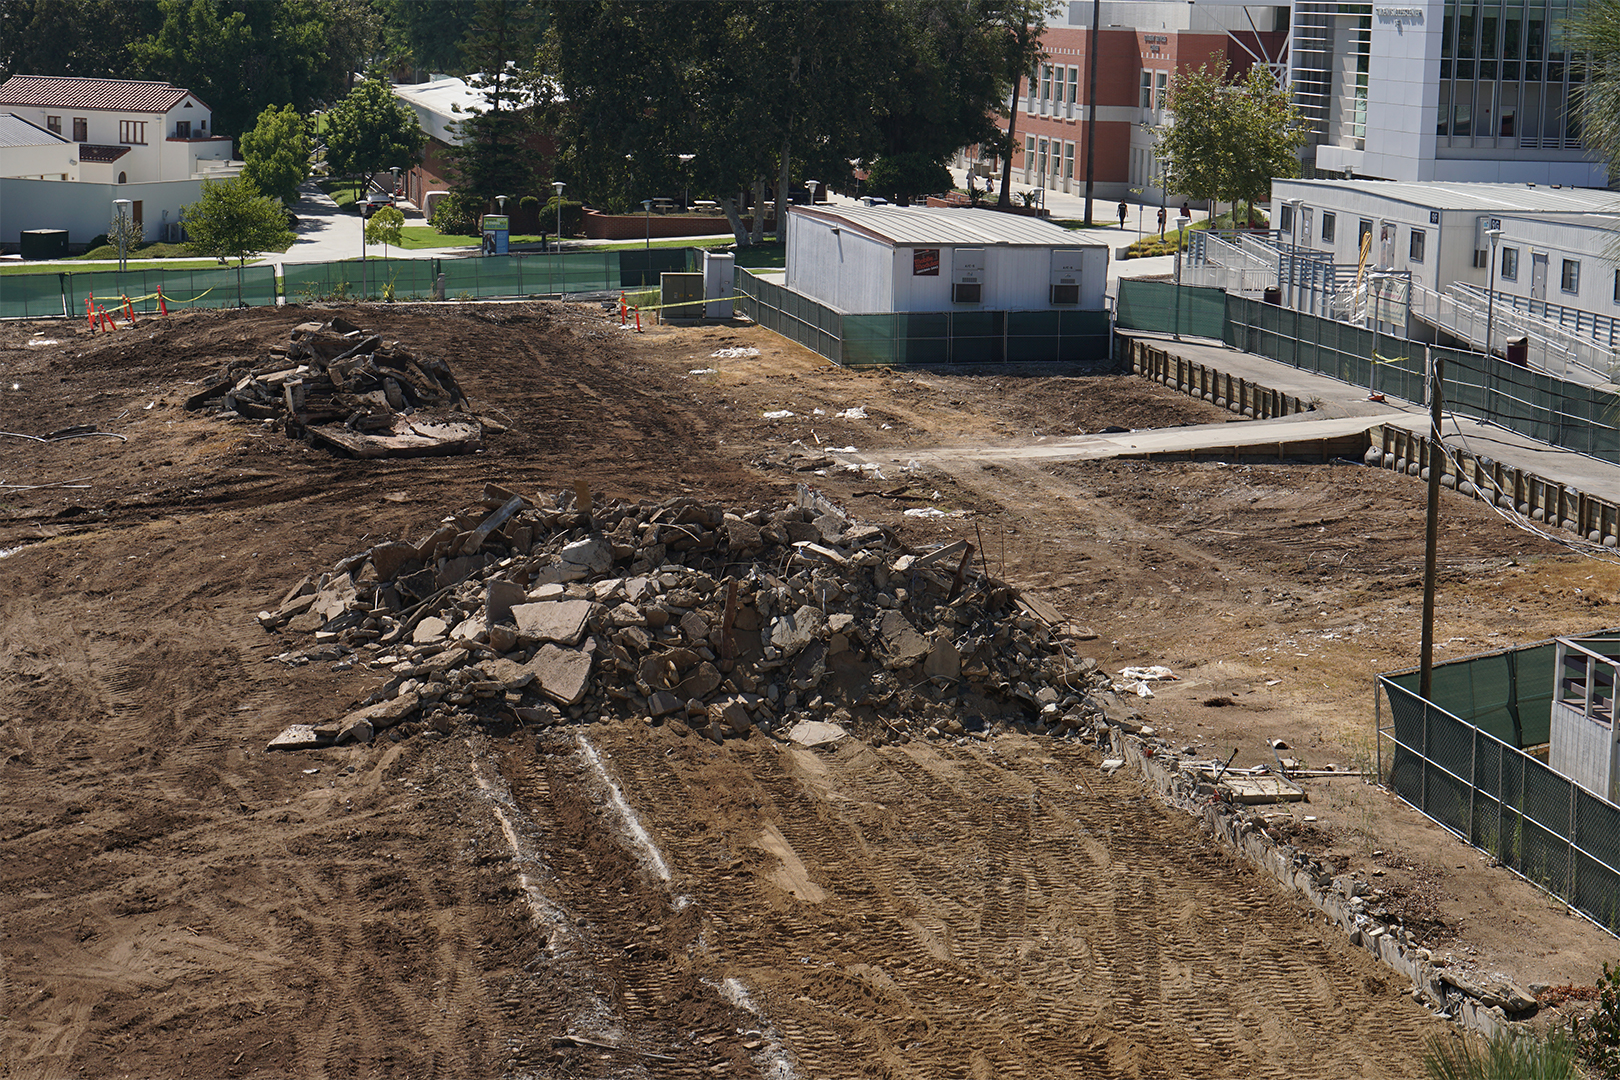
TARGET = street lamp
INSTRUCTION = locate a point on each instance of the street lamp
(1490, 289)
(686, 181)
(646, 208)
(557, 186)
(122, 204)
(811, 185)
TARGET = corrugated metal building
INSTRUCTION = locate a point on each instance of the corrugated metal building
(870, 259)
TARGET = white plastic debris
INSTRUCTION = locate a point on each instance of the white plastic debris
(704, 371)
(857, 413)
(818, 412)
(1156, 673)
(842, 450)
(736, 352)
(778, 414)
(933, 512)
(42, 341)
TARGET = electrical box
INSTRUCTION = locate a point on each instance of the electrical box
(44, 244)
(967, 275)
(1065, 277)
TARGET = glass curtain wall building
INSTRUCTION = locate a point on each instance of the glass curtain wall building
(1441, 90)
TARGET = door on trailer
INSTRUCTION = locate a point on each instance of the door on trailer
(1538, 280)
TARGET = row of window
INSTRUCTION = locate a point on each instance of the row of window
(130, 132)
(1155, 89)
(1047, 156)
(1052, 79)
(1417, 244)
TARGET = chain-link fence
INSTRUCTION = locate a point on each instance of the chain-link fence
(1502, 799)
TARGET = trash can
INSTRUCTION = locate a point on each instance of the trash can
(1273, 295)
(1518, 351)
(44, 244)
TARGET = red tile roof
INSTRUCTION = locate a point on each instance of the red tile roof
(96, 152)
(54, 91)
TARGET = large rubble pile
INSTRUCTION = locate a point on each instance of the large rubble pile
(347, 389)
(797, 622)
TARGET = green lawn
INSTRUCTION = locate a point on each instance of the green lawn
(132, 264)
(343, 192)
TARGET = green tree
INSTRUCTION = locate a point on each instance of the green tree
(231, 220)
(82, 38)
(354, 43)
(384, 227)
(275, 154)
(1021, 25)
(903, 177)
(1228, 140)
(239, 55)
(428, 36)
(369, 131)
(1593, 32)
(494, 156)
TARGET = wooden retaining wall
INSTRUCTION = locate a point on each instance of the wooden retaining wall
(1225, 390)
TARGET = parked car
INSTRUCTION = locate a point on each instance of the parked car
(374, 200)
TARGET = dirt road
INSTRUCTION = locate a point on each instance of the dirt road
(176, 901)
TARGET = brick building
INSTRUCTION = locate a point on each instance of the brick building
(1139, 47)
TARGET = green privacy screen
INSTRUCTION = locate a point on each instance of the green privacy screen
(213, 287)
(30, 296)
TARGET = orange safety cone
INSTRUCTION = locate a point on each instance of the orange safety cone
(90, 313)
(163, 307)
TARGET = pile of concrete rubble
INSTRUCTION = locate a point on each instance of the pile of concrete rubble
(347, 389)
(797, 623)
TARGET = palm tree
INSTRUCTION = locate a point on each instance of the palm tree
(1594, 35)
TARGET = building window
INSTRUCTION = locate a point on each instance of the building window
(123, 178)
(202, 125)
(132, 132)
(182, 129)
(1147, 89)
(1162, 93)
(1414, 250)
(1617, 286)
(1046, 83)
(1570, 282)
(1510, 264)
(1041, 161)
(1068, 161)
(1029, 152)
(1285, 219)
(1329, 221)
(53, 124)
(81, 129)
(1074, 85)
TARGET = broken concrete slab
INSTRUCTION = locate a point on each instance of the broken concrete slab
(816, 733)
(299, 737)
(790, 633)
(562, 674)
(902, 643)
(561, 621)
(499, 599)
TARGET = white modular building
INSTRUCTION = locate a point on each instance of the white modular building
(872, 259)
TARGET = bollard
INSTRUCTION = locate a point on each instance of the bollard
(638, 319)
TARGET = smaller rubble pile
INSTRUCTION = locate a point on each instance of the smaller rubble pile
(347, 389)
(797, 623)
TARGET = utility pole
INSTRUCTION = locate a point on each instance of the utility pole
(1431, 537)
(1091, 107)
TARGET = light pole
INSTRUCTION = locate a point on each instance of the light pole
(1490, 309)
(122, 204)
(812, 185)
(646, 209)
(557, 186)
(500, 203)
(1181, 238)
(686, 181)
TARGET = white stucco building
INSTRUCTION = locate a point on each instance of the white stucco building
(1440, 90)
(864, 259)
(71, 147)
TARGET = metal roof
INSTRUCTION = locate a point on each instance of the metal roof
(953, 225)
(60, 92)
(96, 154)
(1511, 198)
(15, 131)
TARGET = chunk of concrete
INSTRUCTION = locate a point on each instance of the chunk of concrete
(509, 673)
(563, 674)
(704, 680)
(431, 628)
(944, 661)
(695, 627)
(662, 703)
(387, 559)
(561, 621)
(298, 737)
(593, 553)
(901, 641)
(815, 733)
(790, 633)
(500, 598)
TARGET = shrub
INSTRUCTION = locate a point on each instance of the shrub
(1598, 1039)
(457, 215)
(1506, 1056)
(572, 212)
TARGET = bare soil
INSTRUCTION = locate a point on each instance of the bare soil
(176, 901)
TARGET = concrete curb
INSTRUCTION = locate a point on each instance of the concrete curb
(1486, 1010)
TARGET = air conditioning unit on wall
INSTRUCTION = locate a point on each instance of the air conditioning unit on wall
(174, 232)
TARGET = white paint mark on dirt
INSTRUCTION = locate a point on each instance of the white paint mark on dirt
(514, 823)
(627, 816)
(773, 1059)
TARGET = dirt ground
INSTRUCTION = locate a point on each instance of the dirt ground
(609, 900)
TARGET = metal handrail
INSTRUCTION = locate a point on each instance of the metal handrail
(1593, 355)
